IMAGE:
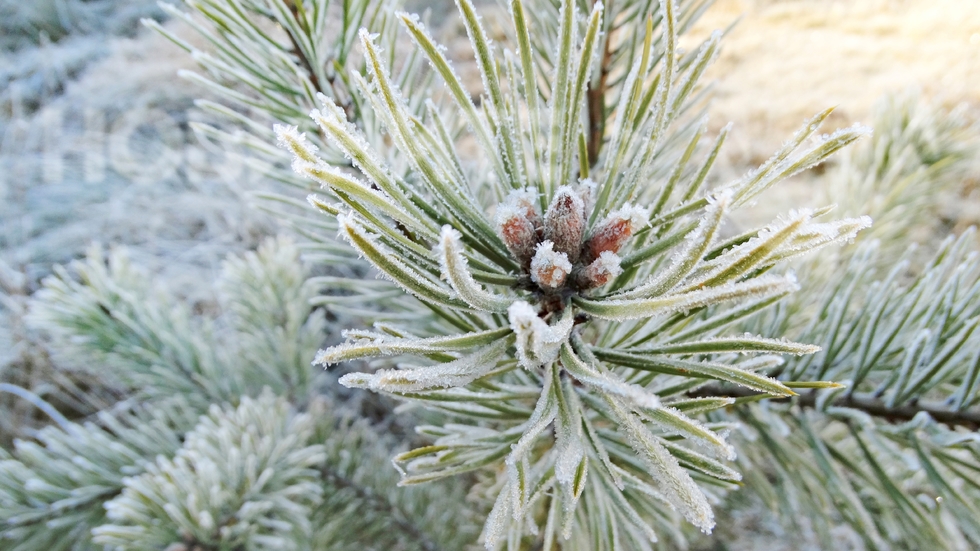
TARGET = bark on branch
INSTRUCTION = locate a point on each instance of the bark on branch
(868, 403)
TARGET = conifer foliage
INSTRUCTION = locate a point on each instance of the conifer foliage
(591, 357)
(575, 264)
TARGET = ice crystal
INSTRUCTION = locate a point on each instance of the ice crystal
(549, 267)
(537, 342)
(601, 271)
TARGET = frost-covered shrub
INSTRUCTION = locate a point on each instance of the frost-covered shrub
(574, 321)
(217, 452)
(583, 344)
(39, 21)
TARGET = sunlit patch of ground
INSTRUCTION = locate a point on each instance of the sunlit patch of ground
(786, 60)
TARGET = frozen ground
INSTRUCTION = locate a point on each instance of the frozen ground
(106, 156)
(785, 60)
(95, 148)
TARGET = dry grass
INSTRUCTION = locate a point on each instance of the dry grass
(786, 60)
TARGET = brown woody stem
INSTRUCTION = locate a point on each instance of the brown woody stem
(868, 403)
(596, 98)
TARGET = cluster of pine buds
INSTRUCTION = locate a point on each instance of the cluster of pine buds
(558, 255)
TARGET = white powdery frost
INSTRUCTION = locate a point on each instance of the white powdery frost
(608, 264)
(603, 269)
(636, 215)
(455, 270)
(537, 342)
(505, 213)
(294, 141)
(676, 484)
(447, 375)
(522, 200)
(548, 267)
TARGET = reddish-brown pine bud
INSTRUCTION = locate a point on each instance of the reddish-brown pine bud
(601, 271)
(549, 268)
(564, 223)
(524, 200)
(610, 234)
(518, 224)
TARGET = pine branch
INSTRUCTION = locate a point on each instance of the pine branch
(360, 488)
(243, 478)
(564, 346)
(901, 333)
(560, 238)
(868, 403)
(380, 505)
(116, 317)
(75, 469)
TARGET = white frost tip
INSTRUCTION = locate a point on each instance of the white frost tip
(448, 250)
(346, 226)
(366, 35)
(356, 380)
(549, 268)
(294, 141)
(448, 238)
(636, 215)
(524, 198)
(608, 264)
(412, 18)
(600, 272)
(722, 197)
(331, 112)
(521, 315)
(537, 342)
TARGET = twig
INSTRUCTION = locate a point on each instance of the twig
(870, 404)
(298, 52)
(597, 99)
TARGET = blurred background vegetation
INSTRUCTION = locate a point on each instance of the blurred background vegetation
(76, 75)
